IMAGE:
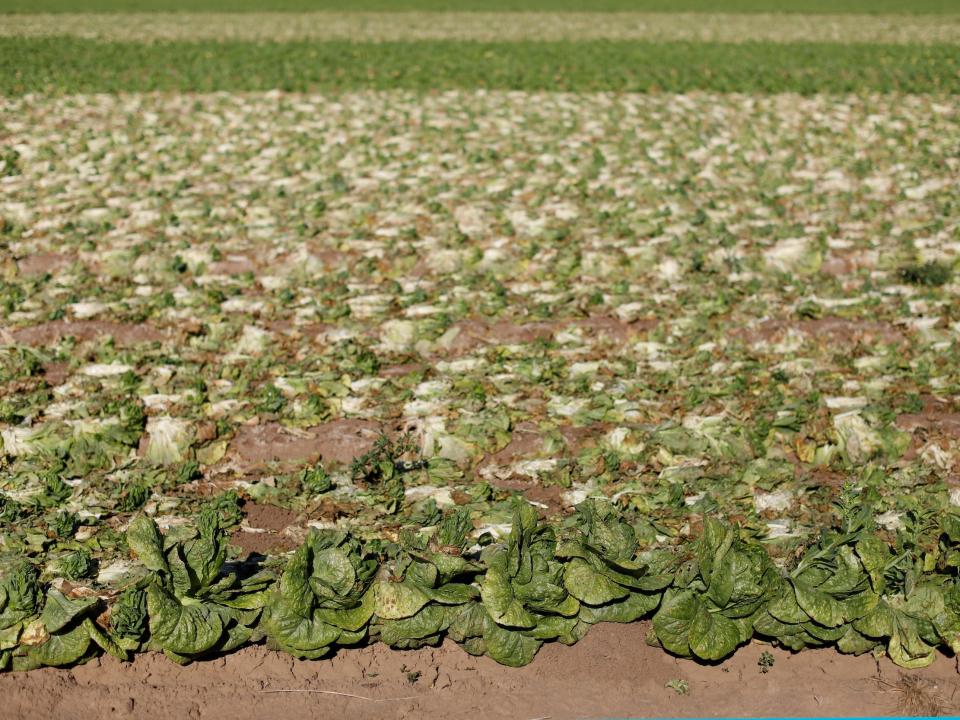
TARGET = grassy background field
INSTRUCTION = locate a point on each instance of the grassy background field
(74, 65)
(747, 6)
(39, 54)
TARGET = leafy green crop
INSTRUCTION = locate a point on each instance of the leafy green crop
(323, 597)
(194, 606)
(716, 595)
(542, 583)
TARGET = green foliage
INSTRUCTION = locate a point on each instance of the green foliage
(227, 507)
(383, 467)
(9, 161)
(128, 617)
(716, 596)
(77, 564)
(541, 583)
(194, 606)
(930, 274)
(324, 593)
(314, 480)
(69, 65)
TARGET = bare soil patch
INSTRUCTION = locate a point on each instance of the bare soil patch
(262, 531)
(610, 673)
(232, 265)
(339, 441)
(122, 333)
(40, 263)
(938, 417)
(833, 329)
(56, 373)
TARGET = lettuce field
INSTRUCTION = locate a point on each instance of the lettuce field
(422, 323)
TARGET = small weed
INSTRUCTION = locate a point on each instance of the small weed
(412, 675)
(765, 662)
(680, 687)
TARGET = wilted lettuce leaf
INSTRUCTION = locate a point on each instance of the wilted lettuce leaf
(19, 595)
(712, 636)
(300, 636)
(352, 619)
(396, 600)
(499, 597)
(128, 614)
(631, 608)
(673, 620)
(589, 586)
(426, 623)
(145, 541)
(60, 610)
(185, 629)
(61, 648)
(103, 640)
(508, 647)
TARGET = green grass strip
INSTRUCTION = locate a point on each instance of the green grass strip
(67, 65)
(747, 6)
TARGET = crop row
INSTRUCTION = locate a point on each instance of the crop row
(850, 589)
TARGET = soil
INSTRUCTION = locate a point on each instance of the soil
(832, 329)
(610, 673)
(39, 263)
(50, 332)
(56, 373)
(936, 416)
(339, 441)
(262, 530)
(401, 370)
(527, 442)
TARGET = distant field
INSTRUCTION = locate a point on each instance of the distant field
(71, 65)
(898, 29)
(745, 6)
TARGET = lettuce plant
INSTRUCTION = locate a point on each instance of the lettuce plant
(716, 595)
(53, 630)
(423, 585)
(324, 596)
(193, 606)
(605, 570)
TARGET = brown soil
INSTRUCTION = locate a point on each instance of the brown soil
(339, 441)
(937, 418)
(841, 264)
(526, 441)
(50, 332)
(232, 265)
(833, 329)
(39, 263)
(611, 673)
(401, 370)
(265, 533)
(549, 495)
(56, 373)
